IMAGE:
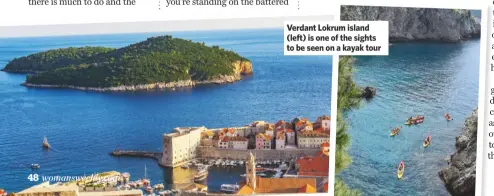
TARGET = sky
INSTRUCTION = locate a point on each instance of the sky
(145, 27)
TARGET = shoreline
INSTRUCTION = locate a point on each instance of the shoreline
(159, 86)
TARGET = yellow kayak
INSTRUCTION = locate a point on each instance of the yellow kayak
(395, 131)
(427, 143)
(402, 171)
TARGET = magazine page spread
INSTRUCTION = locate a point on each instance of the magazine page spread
(245, 97)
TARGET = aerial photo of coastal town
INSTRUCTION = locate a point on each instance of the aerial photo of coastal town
(175, 113)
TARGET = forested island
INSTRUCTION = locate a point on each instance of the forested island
(156, 63)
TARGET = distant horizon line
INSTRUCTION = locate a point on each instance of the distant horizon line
(141, 32)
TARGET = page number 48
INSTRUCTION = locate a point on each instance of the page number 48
(33, 177)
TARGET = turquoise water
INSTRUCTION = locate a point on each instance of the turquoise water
(83, 127)
(415, 79)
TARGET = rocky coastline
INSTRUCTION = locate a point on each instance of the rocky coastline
(418, 24)
(240, 68)
(459, 175)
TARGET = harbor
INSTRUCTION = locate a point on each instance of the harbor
(88, 125)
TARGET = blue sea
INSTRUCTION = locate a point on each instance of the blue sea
(83, 127)
(415, 79)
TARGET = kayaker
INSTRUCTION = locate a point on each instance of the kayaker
(447, 115)
(410, 119)
(400, 167)
(426, 141)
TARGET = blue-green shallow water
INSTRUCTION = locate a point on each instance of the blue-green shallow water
(83, 127)
(425, 79)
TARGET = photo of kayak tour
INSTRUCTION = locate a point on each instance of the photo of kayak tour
(204, 112)
(407, 122)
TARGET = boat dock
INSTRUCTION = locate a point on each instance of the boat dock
(136, 153)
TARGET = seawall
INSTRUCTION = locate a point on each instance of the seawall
(261, 155)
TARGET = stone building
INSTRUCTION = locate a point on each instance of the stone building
(311, 139)
(179, 147)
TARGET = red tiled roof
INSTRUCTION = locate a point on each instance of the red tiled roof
(320, 129)
(307, 189)
(237, 138)
(280, 122)
(313, 166)
(282, 185)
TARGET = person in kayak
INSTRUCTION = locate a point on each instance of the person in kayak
(426, 141)
(410, 119)
(447, 116)
(400, 168)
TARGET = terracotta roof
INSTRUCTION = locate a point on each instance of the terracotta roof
(307, 189)
(313, 134)
(280, 129)
(282, 185)
(289, 130)
(245, 190)
(237, 138)
(264, 136)
(320, 129)
(313, 166)
(280, 122)
(270, 127)
(280, 136)
(225, 139)
(324, 117)
(325, 144)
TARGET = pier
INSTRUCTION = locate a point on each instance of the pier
(137, 153)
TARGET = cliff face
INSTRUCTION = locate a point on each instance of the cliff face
(459, 176)
(418, 24)
(243, 67)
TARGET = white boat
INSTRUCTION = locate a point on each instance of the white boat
(165, 192)
(45, 143)
(159, 186)
(201, 175)
(35, 166)
(229, 188)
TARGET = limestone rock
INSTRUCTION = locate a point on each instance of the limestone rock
(459, 176)
(369, 92)
(418, 24)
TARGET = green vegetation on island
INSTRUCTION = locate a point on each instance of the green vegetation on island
(160, 59)
(54, 59)
(349, 96)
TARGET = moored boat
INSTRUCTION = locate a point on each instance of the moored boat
(229, 188)
(201, 176)
(159, 186)
(35, 166)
